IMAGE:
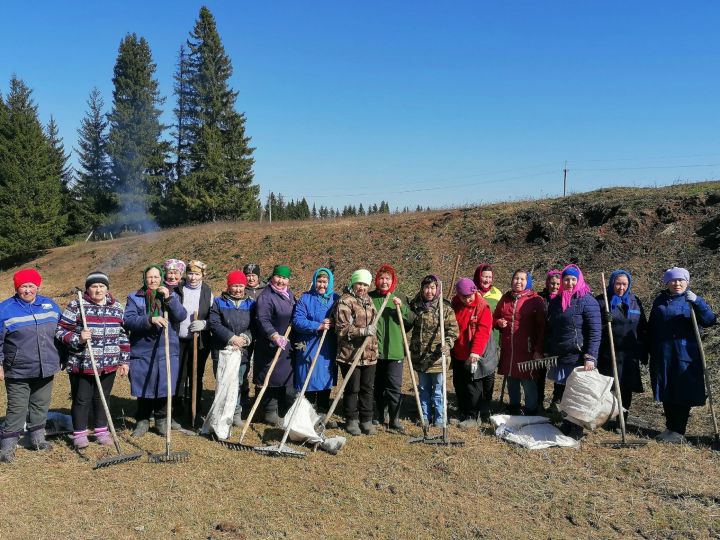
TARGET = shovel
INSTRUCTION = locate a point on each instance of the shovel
(169, 456)
(708, 389)
(443, 439)
(120, 458)
(281, 449)
(320, 426)
(412, 377)
(623, 442)
(247, 447)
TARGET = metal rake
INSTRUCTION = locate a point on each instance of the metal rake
(530, 365)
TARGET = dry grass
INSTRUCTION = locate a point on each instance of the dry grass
(380, 486)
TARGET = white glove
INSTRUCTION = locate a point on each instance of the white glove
(198, 326)
(691, 296)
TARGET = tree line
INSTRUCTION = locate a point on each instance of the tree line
(278, 209)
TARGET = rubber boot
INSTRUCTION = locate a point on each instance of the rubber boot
(7, 449)
(397, 425)
(161, 426)
(141, 428)
(353, 427)
(37, 440)
(368, 428)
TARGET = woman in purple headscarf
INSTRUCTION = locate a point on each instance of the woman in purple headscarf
(573, 329)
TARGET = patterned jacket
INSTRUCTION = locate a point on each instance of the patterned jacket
(110, 343)
(425, 344)
(352, 315)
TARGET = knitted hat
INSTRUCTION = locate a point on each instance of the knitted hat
(282, 271)
(675, 273)
(96, 277)
(361, 276)
(571, 270)
(27, 275)
(252, 268)
(236, 277)
(465, 286)
(174, 264)
(197, 266)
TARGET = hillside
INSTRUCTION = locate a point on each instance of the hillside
(382, 487)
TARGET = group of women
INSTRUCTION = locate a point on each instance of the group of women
(266, 322)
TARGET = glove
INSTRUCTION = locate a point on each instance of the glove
(300, 346)
(607, 317)
(282, 342)
(198, 326)
(369, 330)
(691, 296)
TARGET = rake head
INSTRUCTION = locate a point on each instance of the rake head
(627, 444)
(117, 460)
(170, 457)
(277, 450)
(540, 363)
(436, 440)
(238, 447)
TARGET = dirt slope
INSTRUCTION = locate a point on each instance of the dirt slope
(381, 487)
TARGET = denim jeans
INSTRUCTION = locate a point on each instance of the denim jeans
(529, 387)
(431, 389)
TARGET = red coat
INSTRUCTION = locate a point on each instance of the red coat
(475, 325)
(524, 334)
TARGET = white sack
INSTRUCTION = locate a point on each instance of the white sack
(588, 400)
(220, 416)
(302, 429)
(531, 432)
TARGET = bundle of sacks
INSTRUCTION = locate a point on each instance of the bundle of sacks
(588, 400)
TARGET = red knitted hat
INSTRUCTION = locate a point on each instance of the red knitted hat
(27, 275)
(235, 277)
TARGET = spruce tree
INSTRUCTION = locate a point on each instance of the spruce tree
(183, 115)
(31, 217)
(219, 182)
(136, 151)
(64, 171)
(94, 179)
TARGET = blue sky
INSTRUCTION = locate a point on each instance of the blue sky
(429, 103)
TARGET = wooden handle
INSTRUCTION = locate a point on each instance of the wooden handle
(194, 377)
(409, 359)
(618, 394)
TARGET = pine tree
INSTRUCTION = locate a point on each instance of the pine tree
(31, 201)
(219, 182)
(65, 172)
(137, 154)
(361, 210)
(314, 212)
(94, 178)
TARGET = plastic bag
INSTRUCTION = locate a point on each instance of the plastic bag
(220, 416)
(531, 432)
(588, 400)
(302, 429)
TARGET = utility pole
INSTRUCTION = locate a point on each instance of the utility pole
(269, 210)
(565, 179)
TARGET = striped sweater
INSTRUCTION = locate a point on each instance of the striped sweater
(110, 344)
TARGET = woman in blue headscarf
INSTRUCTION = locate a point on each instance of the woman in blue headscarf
(313, 314)
(629, 328)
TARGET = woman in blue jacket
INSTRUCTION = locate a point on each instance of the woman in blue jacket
(629, 329)
(145, 324)
(676, 371)
(313, 314)
(573, 331)
(29, 359)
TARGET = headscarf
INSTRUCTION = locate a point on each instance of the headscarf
(465, 286)
(331, 283)
(580, 289)
(476, 277)
(197, 266)
(284, 272)
(551, 274)
(386, 269)
(616, 300)
(153, 303)
(174, 264)
(529, 284)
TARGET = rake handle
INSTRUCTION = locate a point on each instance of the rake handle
(97, 377)
(708, 389)
(168, 375)
(266, 382)
(194, 377)
(412, 371)
(355, 362)
(442, 356)
(452, 282)
(618, 395)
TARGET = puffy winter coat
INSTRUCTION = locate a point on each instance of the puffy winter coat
(310, 311)
(148, 375)
(474, 327)
(352, 315)
(572, 335)
(676, 370)
(389, 334)
(111, 347)
(228, 318)
(425, 344)
(273, 314)
(524, 334)
(629, 328)
(27, 336)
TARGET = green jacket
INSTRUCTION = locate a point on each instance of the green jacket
(389, 335)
